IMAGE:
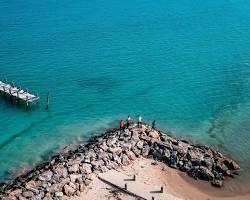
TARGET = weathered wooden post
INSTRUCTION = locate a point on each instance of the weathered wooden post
(161, 189)
(47, 101)
(126, 186)
(10, 95)
(134, 178)
(37, 99)
(17, 97)
(4, 92)
(27, 103)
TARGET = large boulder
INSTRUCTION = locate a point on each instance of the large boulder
(16, 192)
(54, 188)
(136, 151)
(217, 183)
(115, 150)
(86, 168)
(125, 159)
(139, 144)
(75, 177)
(68, 190)
(157, 154)
(61, 171)
(135, 135)
(28, 194)
(145, 151)
(173, 159)
(30, 185)
(46, 176)
(74, 168)
(111, 141)
(232, 165)
(117, 159)
(154, 134)
(130, 155)
(221, 168)
(59, 194)
(205, 174)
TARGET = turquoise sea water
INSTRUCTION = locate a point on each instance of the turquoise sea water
(184, 63)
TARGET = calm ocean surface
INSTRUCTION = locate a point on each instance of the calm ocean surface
(184, 63)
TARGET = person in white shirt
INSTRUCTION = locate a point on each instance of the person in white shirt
(139, 121)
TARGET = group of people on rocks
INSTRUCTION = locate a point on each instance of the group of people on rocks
(129, 122)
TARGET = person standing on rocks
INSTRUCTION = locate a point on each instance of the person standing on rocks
(128, 120)
(153, 125)
(122, 127)
(139, 121)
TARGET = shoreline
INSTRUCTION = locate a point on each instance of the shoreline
(118, 148)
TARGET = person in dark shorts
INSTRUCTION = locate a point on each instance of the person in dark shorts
(153, 125)
(139, 121)
(128, 121)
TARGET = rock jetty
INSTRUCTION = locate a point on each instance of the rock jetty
(70, 172)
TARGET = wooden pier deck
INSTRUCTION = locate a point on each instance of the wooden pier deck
(18, 93)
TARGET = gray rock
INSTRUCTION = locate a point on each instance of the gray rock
(115, 150)
(136, 151)
(126, 146)
(28, 194)
(75, 177)
(38, 196)
(111, 141)
(86, 168)
(104, 146)
(167, 155)
(72, 185)
(221, 168)
(145, 151)
(205, 174)
(125, 159)
(139, 144)
(54, 188)
(16, 192)
(173, 159)
(59, 194)
(30, 185)
(46, 176)
(74, 168)
(21, 198)
(130, 155)
(231, 164)
(103, 169)
(82, 187)
(61, 171)
(135, 135)
(157, 154)
(217, 183)
(69, 191)
(112, 165)
(207, 162)
(87, 182)
(117, 159)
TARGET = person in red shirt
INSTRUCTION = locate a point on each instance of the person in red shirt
(122, 125)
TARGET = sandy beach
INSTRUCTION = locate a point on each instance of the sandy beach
(176, 184)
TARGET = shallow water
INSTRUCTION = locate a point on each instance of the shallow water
(184, 63)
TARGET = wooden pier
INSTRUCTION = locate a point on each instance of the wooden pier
(17, 94)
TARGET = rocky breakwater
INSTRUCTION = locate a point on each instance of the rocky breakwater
(70, 172)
